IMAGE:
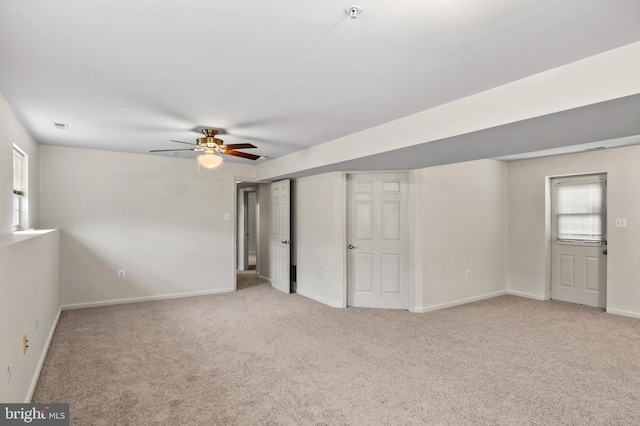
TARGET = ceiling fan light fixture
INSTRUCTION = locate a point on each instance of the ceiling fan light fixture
(209, 159)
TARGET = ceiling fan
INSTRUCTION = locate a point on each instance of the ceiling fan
(209, 145)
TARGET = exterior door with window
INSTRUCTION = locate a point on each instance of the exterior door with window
(578, 240)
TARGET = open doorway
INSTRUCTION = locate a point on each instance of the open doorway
(247, 230)
(251, 233)
(251, 238)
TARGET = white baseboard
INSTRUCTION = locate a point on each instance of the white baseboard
(526, 295)
(144, 299)
(320, 299)
(623, 313)
(423, 309)
(43, 356)
(265, 278)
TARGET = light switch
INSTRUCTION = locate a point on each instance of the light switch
(227, 217)
(621, 222)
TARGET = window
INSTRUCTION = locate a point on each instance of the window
(19, 189)
(580, 211)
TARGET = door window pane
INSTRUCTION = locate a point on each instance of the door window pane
(580, 210)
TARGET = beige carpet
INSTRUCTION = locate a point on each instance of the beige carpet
(260, 357)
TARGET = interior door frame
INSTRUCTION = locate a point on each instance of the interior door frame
(415, 279)
(548, 217)
(236, 181)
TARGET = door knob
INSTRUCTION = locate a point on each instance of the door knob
(286, 242)
(351, 247)
(604, 251)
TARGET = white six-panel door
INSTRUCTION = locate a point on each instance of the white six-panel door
(280, 235)
(378, 253)
(579, 263)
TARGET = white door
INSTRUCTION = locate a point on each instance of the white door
(280, 240)
(578, 240)
(378, 236)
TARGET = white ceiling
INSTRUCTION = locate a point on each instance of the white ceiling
(284, 75)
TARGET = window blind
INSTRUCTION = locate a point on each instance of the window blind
(18, 175)
(580, 210)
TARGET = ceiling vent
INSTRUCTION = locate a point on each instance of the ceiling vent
(61, 126)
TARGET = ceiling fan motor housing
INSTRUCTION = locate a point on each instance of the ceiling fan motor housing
(209, 132)
(210, 142)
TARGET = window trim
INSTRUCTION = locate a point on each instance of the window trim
(22, 193)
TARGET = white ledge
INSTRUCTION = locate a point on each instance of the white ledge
(16, 237)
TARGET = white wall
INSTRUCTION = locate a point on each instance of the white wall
(320, 213)
(11, 131)
(153, 216)
(29, 286)
(528, 245)
(464, 228)
(29, 274)
(460, 211)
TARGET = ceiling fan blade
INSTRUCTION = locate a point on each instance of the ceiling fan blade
(241, 154)
(188, 143)
(238, 146)
(167, 150)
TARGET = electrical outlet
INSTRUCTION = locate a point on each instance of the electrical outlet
(25, 344)
(468, 275)
(321, 274)
(9, 374)
(36, 324)
(121, 274)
